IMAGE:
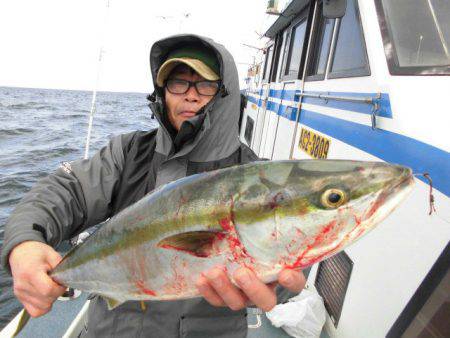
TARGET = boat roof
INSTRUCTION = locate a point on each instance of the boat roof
(286, 16)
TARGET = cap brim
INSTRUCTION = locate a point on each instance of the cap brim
(195, 64)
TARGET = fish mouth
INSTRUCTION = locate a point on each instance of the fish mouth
(405, 179)
(390, 197)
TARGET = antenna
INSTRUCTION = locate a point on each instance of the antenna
(254, 47)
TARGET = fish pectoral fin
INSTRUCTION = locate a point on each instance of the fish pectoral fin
(196, 243)
(112, 303)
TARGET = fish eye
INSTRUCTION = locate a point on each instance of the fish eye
(333, 198)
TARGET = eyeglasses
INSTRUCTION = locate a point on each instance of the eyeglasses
(206, 88)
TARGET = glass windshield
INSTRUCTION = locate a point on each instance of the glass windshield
(295, 51)
(419, 31)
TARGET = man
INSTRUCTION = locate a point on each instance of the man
(197, 103)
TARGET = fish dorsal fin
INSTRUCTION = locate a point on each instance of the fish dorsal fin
(112, 303)
(196, 243)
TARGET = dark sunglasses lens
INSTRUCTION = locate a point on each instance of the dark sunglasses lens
(208, 88)
(177, 86)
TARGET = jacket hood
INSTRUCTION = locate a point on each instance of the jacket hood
(215, 129)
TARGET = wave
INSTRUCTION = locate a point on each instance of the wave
(69, 117)
(18, 106)
(15, 184)
(16, 131)
(54, 152)
(30, 105)
(50, 108)
(111, 102)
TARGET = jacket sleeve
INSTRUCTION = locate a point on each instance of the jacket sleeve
(78, 195)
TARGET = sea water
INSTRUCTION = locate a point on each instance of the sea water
(39, 129)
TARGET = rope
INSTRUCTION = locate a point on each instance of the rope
(94, 93)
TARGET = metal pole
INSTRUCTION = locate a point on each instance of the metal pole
(305, 67)
(94, 93)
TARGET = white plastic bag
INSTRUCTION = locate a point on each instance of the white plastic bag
(302, 317)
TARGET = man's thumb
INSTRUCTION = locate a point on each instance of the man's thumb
(53, 258)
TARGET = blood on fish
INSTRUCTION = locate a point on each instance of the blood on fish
(140, 285)
(237, 249)
(177, 284)
(220, 236)
(142, 263)
(357, 228)
(274, 234)
(300, 232)
(273, 203)
(328, 228)
(376, 205)
(317, 240)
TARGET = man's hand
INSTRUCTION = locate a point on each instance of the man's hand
(30, 262)
(218, 290)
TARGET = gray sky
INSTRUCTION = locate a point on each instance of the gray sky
(55, 43)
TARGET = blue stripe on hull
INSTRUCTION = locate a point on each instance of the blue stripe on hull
(388, 146)
(362, 108)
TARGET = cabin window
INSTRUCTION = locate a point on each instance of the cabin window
(276, 57)
(285, 51)
(428, 311)
(320, 47)
(294, 57)
(350, 56)
(268, 63)
(416, 36)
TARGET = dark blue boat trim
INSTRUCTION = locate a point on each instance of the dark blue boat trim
(384, 106)
(386, 145)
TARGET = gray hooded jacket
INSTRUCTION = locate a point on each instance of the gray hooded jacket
(87, 192)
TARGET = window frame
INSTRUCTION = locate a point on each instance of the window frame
(422, 294)
(285, 52)
(278, 45)
(304, 15)
(314, 50)
(354, 72)
(270, 45)
(392, 57)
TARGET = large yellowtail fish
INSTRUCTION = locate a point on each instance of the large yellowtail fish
(265, 215)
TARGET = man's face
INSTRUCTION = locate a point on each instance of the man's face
(181, 107)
